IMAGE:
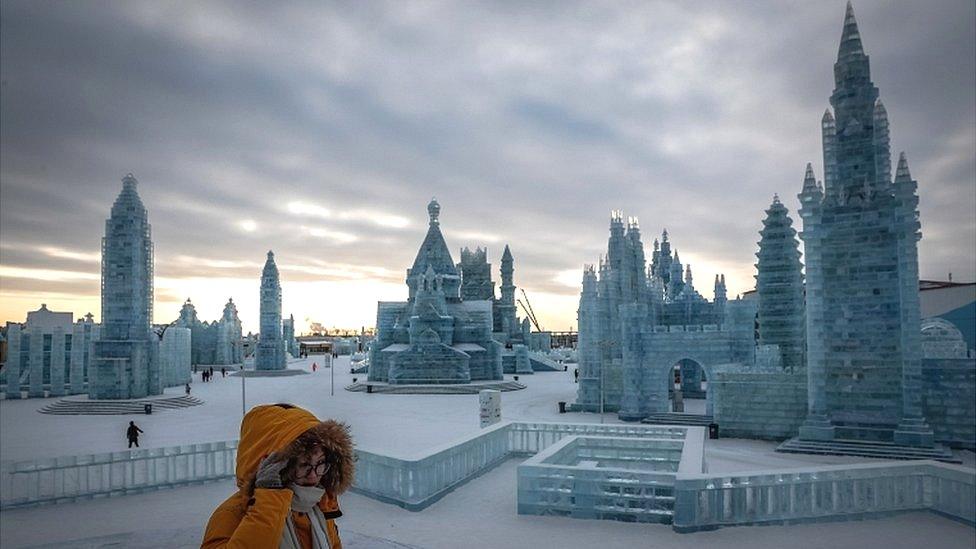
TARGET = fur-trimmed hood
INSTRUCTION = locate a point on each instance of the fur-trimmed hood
(277, 428)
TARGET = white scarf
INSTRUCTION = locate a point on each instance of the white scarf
(305, 501)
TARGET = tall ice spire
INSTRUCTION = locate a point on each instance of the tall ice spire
(850, 39)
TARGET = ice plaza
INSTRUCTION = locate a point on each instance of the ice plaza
(829, 400)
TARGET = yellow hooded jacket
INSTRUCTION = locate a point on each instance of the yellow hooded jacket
(255, 517)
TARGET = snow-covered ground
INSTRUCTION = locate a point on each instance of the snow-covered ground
(479, 514)
(400, 425)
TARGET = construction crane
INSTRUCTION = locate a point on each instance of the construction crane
(527, 307)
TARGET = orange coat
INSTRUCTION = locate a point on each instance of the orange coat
(257, 520)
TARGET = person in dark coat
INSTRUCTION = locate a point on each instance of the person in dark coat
(187, 389)
(223, 372)
(132, 433)
(576, 375)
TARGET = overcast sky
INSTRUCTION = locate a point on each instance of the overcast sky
(321, 130)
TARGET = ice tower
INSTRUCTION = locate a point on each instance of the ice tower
(271, 346)
(506, 320)
(861, 233)
(126, 361)
(779, 286)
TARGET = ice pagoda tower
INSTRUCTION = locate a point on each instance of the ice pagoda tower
(271, 346)
(861, 233)
(126, 361)
(779, 285)
(506, 320)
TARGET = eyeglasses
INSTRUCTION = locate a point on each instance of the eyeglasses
(320, 468)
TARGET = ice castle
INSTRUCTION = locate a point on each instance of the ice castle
(218, 342)
(443, 332)
(837, 354)
(126, 363)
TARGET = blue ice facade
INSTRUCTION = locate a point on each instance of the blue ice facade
(271, 346)
(436, 337)
(126, 363)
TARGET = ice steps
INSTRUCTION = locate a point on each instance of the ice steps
(542, 363)
(74, 407)
(677, 418)
(880, 450)
(436, 389)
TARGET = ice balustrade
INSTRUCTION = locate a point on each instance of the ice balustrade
(702, 501)
(412, 483)
(415, 483)
(69, 478)
(825, 493)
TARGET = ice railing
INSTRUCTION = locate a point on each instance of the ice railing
(61, 479)
(413, 483)
(824, 493)
(702, 501)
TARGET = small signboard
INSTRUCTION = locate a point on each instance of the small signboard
(491, 407)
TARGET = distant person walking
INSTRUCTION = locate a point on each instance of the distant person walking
(576, 375)
(210, 376)
(132, 433)
(314, 366)
(223, 372)
(187, 389)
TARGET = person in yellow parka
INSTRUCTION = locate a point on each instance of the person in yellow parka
(291, 468)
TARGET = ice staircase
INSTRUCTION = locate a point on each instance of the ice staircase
(677, 418)
(435, 389)
(542, 363)
(880, 450)
(78, 407)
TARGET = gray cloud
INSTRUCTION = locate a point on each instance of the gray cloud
(528, 122)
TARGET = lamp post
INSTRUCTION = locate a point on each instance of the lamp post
(243, 388)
